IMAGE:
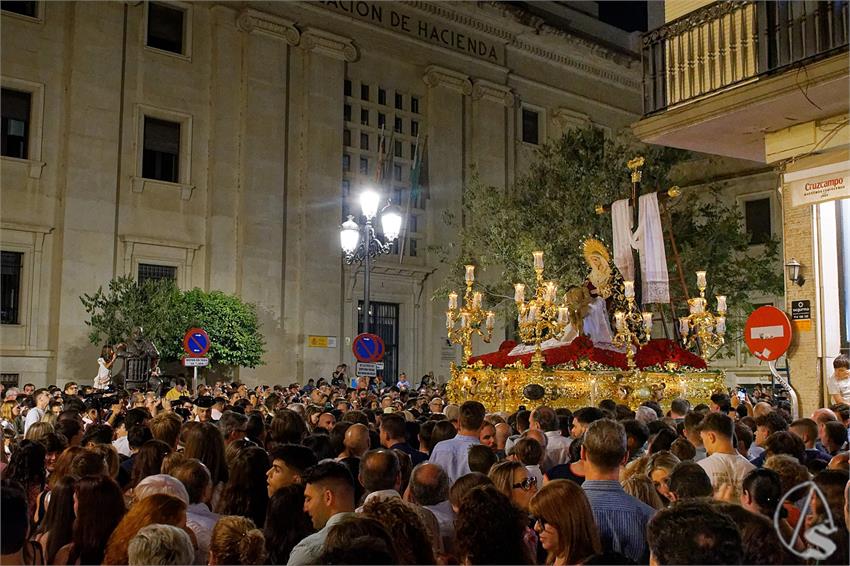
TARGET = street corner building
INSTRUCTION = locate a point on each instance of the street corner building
(221, 144)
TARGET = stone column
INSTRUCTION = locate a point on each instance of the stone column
(491, 112)
(313, 275)
(446, 95)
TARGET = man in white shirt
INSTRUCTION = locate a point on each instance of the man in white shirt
(723, 465)
(42, 399)
(557, 446)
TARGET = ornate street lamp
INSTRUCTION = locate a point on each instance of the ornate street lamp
(363, 249)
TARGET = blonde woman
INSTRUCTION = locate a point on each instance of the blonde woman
(658, 469)
(642, 488)
(567, 531)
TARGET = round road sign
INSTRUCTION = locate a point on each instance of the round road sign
(368, 348)
(196, 342)
(767, 333)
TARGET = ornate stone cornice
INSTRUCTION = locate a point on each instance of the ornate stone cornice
(250, 21)
(439, 76)
(486, 90)
(441, 10)
(329, 44)
(580, 65)
(565, 118)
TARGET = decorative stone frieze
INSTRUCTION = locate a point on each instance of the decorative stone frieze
(438, 76)
(255, 21)
(485, 90)
(329, 44)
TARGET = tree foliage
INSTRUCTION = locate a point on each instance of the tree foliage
(166, 313)
(552, 208)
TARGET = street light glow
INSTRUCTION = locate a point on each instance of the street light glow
(369, 201)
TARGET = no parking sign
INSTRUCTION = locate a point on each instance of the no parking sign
(368, 348)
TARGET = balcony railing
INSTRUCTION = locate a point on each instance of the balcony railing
(729, 43)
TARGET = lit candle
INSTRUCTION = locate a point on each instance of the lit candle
(721, 325)
(476, 300)
(491, 320)
(629, 289)
(683, 326)
(538, 260)
(532, 313)
(452, 300)
(519, 292)
(464, 319)
(700, 305)
(701, 279)
(470, 273)
(449, 320)
(620, 318)
(647, 322)
(721, 303)
(562, 315)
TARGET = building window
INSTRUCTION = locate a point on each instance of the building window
(346, 162)
(397, 150)
(382, 119)
(161, 155)
(9, 380)
(757, 218)
(399, 101)
(412, 151)
(413, 223)
(364, 117)
(414, 128)
(399, 128)
(346, 113)
(364, 165)
(382, 96)
(530, 126)
(364, 92)
(29, 9)
(397, 195)
(412, 251)
(414, 104)
(152, 272)
(364, 141)
(346, 187)
(384, 321)
(346, 137)
(10, 286)
(166, 27)
(397, 172)
(16, 123)
(347, 88)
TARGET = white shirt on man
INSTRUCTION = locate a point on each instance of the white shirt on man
(557, 449)
(726, 469)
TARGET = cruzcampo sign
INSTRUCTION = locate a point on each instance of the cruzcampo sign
(819, 184)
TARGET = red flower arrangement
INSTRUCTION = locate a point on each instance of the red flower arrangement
(655, 353)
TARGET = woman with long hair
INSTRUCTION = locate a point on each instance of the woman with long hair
(513, 480)
(204, 442)
(57, 528)
(565, 523)
(658, 469)
(237, 540)
(246, 492)
(158, 508)
(286, 523)
(98, 508)
(641, 487)
(148, 460)
(407, 528)
(26, 466)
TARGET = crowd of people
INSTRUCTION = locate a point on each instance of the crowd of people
(334, 472)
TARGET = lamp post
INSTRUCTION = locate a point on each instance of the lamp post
(363, 249)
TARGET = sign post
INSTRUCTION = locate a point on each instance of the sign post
(767, 333)
(196, 343)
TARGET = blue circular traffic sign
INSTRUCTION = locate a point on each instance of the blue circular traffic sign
(368, 348)
(196, 342)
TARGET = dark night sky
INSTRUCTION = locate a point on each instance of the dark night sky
(626, 15)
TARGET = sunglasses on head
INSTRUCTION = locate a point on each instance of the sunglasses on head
(526, 484)
(542, 522)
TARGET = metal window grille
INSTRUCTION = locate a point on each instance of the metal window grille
(151, 272)
(10, 380)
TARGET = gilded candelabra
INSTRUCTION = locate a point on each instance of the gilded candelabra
(541, 317)
(626, 321)
(701, 327)
(472, 317)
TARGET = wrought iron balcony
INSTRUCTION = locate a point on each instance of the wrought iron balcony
(727, 44)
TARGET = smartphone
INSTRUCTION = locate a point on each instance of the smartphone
(742, 394)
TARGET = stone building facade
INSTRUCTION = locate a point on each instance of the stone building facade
(220, 144)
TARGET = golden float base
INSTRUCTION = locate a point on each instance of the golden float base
(505, 389)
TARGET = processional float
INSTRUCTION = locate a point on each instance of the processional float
(585, 344)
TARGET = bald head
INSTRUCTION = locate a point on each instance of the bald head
(537, 435)
(356, 440)
(429, 485)
(822, 416)
(761, 408)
